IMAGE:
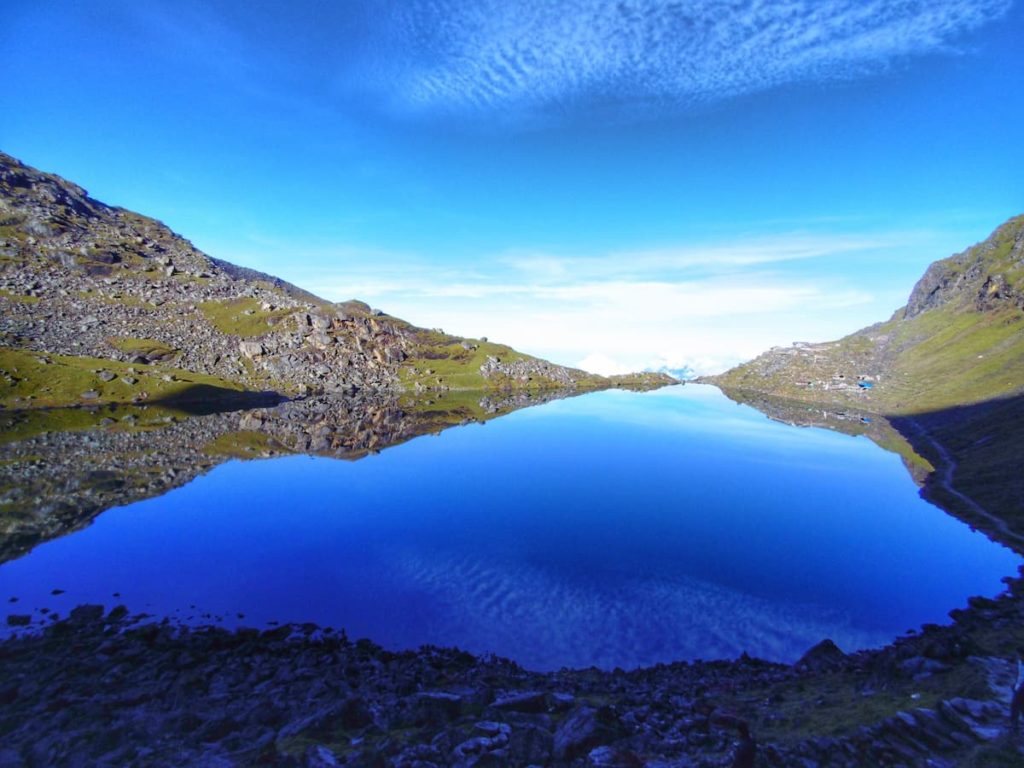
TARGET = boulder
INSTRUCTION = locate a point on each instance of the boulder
(824, 656)
(583, 729)
(525, 701)
(251, 349)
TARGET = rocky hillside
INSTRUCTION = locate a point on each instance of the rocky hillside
(959, 340)
(100, 304)
(948, 372)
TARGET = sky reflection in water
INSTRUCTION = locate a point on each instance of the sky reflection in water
(614, 529)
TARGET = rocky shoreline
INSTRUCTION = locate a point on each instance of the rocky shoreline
(113, 689)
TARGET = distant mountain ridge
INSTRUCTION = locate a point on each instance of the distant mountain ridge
(958, 340)
(100, 304)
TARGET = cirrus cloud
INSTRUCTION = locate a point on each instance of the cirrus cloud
(523, 58)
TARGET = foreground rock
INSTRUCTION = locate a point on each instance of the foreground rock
(97, 689)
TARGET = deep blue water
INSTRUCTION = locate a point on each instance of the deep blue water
(613, 529)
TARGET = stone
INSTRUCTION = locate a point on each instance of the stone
(84, 614)
(826, 655)
(319, 756)
(436, 707)
(527, 701)
(251, 349)
(609, 757)
(583, 729)
(530, 745)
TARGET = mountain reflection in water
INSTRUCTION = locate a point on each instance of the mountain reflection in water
(611, 529)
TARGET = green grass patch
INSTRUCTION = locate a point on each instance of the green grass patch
(121, 300)
(242, 317)
(35, 379)
(441, 361)
(952, 358)
(20, 297)
(12, 232)
(837, 704)
(244, 444)
(18, 425)
(150, 348)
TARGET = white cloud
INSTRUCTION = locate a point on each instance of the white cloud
(704, 308)
(523, 57)
(597, 362)
(716, 256)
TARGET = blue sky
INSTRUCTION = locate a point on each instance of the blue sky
(610, 184)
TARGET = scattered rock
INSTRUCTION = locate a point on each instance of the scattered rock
(826, 655)
(528, 701)
(585, 728)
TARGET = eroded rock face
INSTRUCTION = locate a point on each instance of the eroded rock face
(978, 276)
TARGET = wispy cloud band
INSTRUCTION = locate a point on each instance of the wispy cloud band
(523, 57)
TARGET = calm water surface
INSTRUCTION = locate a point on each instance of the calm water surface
(613, 529)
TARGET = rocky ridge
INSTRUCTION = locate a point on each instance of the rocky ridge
(946, 372)
(958, 340)
(87, 281)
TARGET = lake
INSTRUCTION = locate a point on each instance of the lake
(614, 529)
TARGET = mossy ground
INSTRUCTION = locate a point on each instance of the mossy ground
(242, 317)
(23, 298)
(37, 379)
(245, 444)
(150, 348)
(836, 704)
(441, 361)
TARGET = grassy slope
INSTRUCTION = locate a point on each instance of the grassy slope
(951, 379)
(439, 360)
(35, 379)
(949, 355)
(945, 357)
(242, 317)
(134, 252)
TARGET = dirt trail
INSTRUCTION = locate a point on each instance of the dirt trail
(944, 472)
